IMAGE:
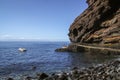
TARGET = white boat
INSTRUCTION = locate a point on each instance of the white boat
(22, 49)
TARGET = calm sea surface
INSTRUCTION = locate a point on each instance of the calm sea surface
(42, 57)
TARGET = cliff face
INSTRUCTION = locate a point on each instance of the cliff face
(99, 23)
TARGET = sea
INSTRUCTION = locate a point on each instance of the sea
(41, 57)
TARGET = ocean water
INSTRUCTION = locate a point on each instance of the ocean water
(42, 56)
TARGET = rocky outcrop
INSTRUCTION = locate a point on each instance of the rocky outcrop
(99, 23)
(75, 47)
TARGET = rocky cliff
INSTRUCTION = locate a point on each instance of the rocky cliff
(99, 23)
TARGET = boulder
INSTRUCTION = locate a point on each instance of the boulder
(42, 76)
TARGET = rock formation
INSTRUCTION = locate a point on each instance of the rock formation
(99, 23)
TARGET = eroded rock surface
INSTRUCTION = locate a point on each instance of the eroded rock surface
(99, 23)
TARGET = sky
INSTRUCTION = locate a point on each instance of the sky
(47, 20)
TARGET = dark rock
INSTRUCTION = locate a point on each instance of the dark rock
(54, 76)
(42, 76)
(99, 23)
(63, 49)
(49, 78)
(75, 68)
(28, 78)
(75, 74)
(10, 79)
(63, 76)
(115, 63)
(34, 67)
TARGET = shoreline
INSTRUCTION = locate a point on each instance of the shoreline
(74, 47)
(106, 71)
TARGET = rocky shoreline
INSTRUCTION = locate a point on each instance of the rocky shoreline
(92, 49)
(99, 25)
(106, 71)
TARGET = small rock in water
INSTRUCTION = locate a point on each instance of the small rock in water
(55, 76)
(34, 67)
(42, 76)
(10, 79)
(74, 68)
(28, 78)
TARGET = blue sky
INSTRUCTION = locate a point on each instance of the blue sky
(38, 19)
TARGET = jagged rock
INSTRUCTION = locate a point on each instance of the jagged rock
(99, 23)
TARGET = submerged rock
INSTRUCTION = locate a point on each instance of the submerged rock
(10, 79)
(28, 78)
(42, 76)
(34, 67)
